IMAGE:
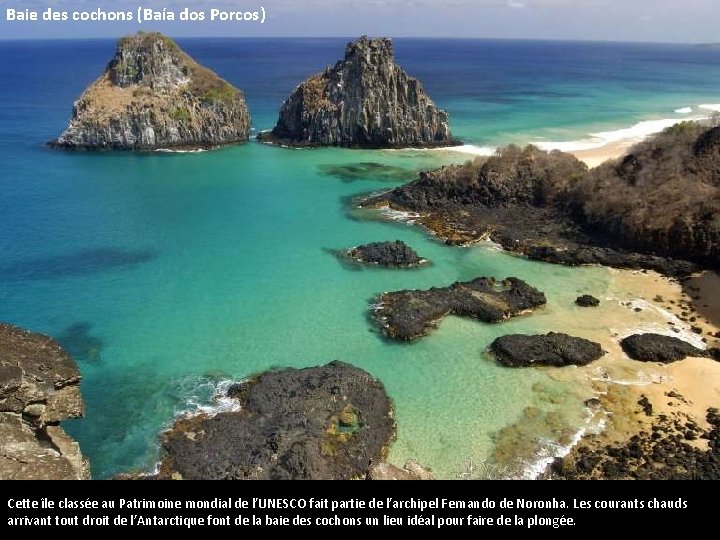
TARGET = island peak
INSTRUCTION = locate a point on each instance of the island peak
(153, 95)
(364, 101)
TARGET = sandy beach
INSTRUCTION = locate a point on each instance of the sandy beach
(596, 156)
(677, 394)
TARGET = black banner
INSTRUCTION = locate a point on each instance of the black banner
(193, 506)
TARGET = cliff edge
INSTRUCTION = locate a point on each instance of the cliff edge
(153, 95)
(364, 101)
(39, 387)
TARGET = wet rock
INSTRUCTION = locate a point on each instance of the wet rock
(395, 254)
(659, 348)
(551, 349)
(408, 315)
(328, 422)
(587, 301)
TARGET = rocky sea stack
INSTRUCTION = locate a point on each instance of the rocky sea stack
(39, 387)
(364, 101)
(153, 95)
(321, 423)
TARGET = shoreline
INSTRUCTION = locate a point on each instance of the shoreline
(637, 400)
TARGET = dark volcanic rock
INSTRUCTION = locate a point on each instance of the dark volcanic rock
(152, 95)
(39, 387)
(328, 422)
(661, 453)
(587, 300)
(408, 315)
(659, 348)
(395, 254)
(364, 101)
(656, 209)
(552, 349)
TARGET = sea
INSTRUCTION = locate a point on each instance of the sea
(166, 275)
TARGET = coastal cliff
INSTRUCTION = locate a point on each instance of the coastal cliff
(153, 95)
(39, 387)
(656, 208)
(364, 101)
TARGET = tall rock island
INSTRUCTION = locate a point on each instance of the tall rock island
(39, 387)
(153, 95)
(364, 101)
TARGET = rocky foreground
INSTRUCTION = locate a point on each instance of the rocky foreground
(328, 422)
(153, 95)
(364, 101)
(408, 315)
(39, 387)
(654, 209)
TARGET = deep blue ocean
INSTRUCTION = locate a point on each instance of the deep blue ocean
(165, 274)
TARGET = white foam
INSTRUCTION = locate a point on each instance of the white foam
(550, 450)
(220, 402)
(399, 215)
(630, 135)
(472, 150)
(710, 107)
(684, 110)
(175, 151)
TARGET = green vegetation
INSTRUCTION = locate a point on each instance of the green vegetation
(181, 114)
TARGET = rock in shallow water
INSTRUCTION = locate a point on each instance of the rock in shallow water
(659, 348)
(587, 301)
(552, 349)
(39, 387)
(395, 254)
(364, 101)
(408, 315)
(327, 422)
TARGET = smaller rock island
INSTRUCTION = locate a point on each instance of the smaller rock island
(154, 96)
(395, 254)
(364, 101)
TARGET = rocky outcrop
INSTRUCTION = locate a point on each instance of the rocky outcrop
(659, 348)
(662, 198)
(407, 315)
(39, 387)
(328, 422)
(153, 95)
(556, 350)
(395, 254)
(587, 300)
(656, 209)
(364, 101)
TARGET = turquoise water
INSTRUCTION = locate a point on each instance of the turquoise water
(166, 273)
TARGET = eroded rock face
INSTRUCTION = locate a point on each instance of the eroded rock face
(39, 387)
(395, 254)
(364, 101)
(659, 348)
(153, 95)
(408, 315)
(553, 349)
(327, 422)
